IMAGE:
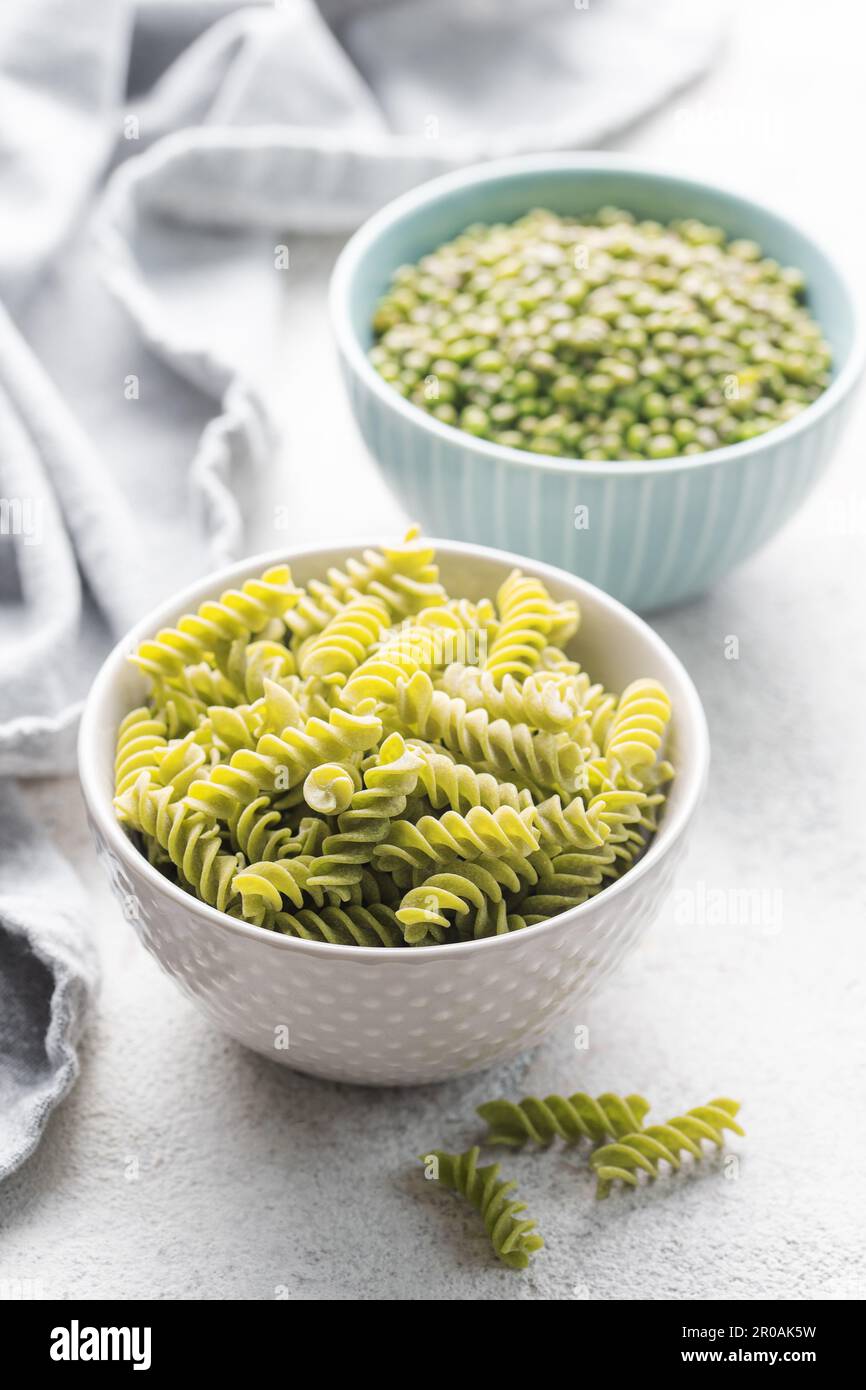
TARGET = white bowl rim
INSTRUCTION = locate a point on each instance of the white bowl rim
(99, 804)
(491, 171)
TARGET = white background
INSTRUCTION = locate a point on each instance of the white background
(183, 1166)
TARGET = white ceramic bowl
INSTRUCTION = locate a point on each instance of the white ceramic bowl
(392, 1016)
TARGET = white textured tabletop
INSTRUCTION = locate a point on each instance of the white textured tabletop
(184, 1166)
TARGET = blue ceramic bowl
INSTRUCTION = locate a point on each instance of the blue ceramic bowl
(651, 533)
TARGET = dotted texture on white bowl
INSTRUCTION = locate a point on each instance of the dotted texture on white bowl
(382, 1022)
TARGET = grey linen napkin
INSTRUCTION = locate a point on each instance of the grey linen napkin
(151, 157)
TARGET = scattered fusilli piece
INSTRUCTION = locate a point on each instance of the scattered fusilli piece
(571, 1118)
(513, 1237)
(646, 1149)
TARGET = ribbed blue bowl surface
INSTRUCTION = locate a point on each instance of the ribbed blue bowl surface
(652, 533)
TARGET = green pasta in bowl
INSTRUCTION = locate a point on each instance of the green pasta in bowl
(386, 811)
(327, 762)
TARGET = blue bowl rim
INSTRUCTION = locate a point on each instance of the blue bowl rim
(493, 171)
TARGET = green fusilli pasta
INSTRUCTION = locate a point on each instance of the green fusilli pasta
(619, 1147)
(564, 881)
(141, 742)
(344, 642)
(259, 832)
(529, 621)
(365, 822)
(412, 649)
(644, 1150)
(637, 729)
(435, 840)
(513, 1236)
(404, 577)
(237, 614)
(278, 763)
(449, 783)
(571, 1118)
(367, 759)
(351, 924)
(475, 892)
(543, 700)
(263, 886)
(542, 762)
(190, 841)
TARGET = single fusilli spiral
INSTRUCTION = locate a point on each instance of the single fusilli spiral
(366, 821)
(259, 832)
(189, 839)
(568, 826)
(405, 578)
(565, 880)
(217, 623)
(543, 762)
(459, 888)
(636, 732)
(436, 839)
(449, 783)
(528, 621)
(344, 642)
(412, 649)
(350, 924)
(543, 700)
(250, 664)
(408, 582)
(601, 840)
(626, 819)
(513, 1237)
(264, 885)
(644, 1150)
(141, 742)
(571, 1118)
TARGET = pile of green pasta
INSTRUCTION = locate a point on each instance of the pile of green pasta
(611, 1127)
(603, 337)
(368, 760)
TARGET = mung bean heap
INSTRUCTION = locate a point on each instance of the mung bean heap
(602, 338)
